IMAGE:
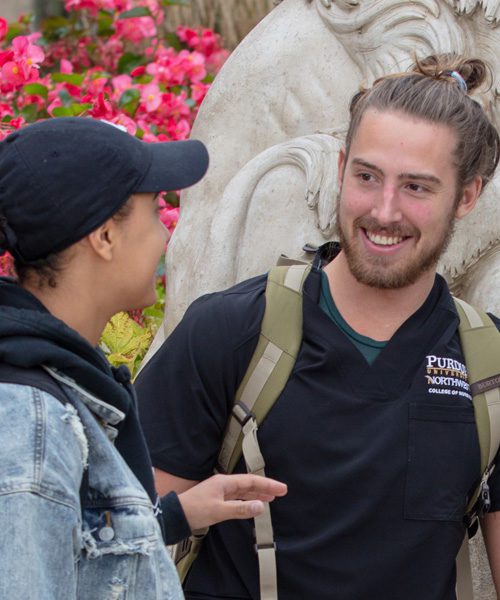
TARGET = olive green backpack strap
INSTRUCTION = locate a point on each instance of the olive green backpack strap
(480, 341)
(273, 359)
(267, 374)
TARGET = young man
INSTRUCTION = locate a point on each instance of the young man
(379, 462)
(79, 514)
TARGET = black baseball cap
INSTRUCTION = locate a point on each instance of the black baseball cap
(62, 178)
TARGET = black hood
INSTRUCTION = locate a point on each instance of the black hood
(31, 336)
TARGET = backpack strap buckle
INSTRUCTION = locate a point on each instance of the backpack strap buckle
(258, 547)
(484, 499)
(242, 413)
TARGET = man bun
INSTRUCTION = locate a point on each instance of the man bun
(474, 72)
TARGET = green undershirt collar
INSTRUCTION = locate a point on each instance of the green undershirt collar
(369, 348)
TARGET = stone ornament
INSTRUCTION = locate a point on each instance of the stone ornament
(289, 79)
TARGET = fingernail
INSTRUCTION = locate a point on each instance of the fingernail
(256, 507)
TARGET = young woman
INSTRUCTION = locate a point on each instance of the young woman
(79, 514)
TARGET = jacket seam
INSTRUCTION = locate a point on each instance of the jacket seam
(45, 493)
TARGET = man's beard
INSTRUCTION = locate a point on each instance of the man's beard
(377, 271)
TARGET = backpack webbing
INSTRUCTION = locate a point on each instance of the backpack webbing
(480, 341)
(273, 360)
(268, 372)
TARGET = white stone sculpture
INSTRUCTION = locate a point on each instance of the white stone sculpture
(271, 186)
(290, 78)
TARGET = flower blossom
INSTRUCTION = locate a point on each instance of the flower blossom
(28, 56)
(169, 216)
(20, 64)
(151, 97)
(135, 29)
(93, 6)
(3, 28)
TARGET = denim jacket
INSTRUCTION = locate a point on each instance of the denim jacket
(55, 545)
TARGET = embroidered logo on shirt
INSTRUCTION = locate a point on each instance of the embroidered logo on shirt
(446, 376)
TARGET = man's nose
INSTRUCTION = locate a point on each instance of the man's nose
(387, 206)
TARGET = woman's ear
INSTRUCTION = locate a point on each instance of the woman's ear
(103, 239)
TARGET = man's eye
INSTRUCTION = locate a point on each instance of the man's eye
(366, 177)
(417, 188)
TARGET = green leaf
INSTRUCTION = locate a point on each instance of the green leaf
(153, 312)
(13, 31)
(79, 108)
(99, 75)
(173, 41)
(129, 96)
(144, 79)
(73, 78)
(208, 79)
(190, 102)
(124, 341)
(175, 2)
(105, 24)
(129, 61)
(56, 27)
(138, 11)
(63, 111)
(30, 112)
(171, 198)
(129, 101)
(36, 89)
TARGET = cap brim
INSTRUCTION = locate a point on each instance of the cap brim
(174, 166)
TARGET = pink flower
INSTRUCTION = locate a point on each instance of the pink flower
(6, 56)
(102, 109)
(169, 217)
(5, 110)
(126, 122)
(188, 65)
(179, 130)
(66, 66)
(207, 43)
(135, 29)
(199, 91)
(121, 83)
(93, 6)
(138, 71)
(173, 105)
(12, 74)
(56, 102)
(151, 97)
(216, 60)
(17, 123)
(160, 71)
(27, 56)
(3, 28)
(187, 35)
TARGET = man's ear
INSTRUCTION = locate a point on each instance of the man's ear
(103, 239)
(340, 166)
(469, 197)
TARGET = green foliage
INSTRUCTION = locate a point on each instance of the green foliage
(125, 342)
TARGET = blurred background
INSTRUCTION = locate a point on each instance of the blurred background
(233, 19)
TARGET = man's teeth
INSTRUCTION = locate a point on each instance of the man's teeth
(383, 240)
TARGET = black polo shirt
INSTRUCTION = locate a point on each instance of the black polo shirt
(379, 460)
